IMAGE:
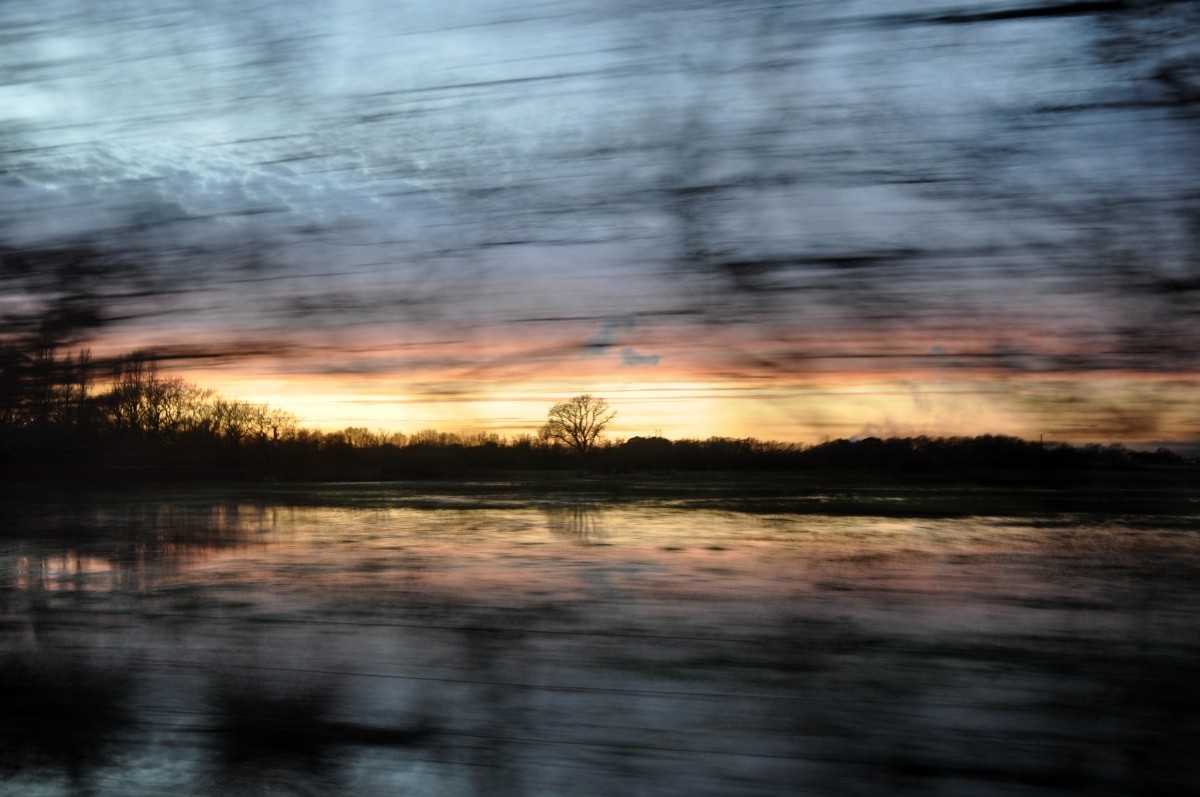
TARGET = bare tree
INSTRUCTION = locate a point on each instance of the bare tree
(359, 437)
(578, 422)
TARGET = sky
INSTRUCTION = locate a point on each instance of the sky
(791, 220)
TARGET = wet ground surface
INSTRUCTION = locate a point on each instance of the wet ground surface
(385, 639)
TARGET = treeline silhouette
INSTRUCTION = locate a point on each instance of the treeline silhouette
(145, 426)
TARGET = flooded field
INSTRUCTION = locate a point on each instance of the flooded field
(494, 640)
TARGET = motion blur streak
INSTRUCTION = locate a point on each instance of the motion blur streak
(365, 199)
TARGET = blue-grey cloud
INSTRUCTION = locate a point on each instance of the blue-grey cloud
(631, 357)
(609, 334)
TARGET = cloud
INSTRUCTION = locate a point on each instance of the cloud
(610, 331)
(631, 357)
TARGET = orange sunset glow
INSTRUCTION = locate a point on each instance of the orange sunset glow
(800, 412)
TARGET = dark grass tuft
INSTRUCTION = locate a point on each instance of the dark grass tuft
(284, 719)
(60, 711)
(290, 720)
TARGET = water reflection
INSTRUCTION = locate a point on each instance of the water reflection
(579, 523)
(283, 649)
(125, 547)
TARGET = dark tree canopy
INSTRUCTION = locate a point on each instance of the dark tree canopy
(578, 422)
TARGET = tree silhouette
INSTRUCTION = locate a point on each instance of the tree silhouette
(578, 422)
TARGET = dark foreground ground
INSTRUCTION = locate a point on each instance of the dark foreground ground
(552, 634)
